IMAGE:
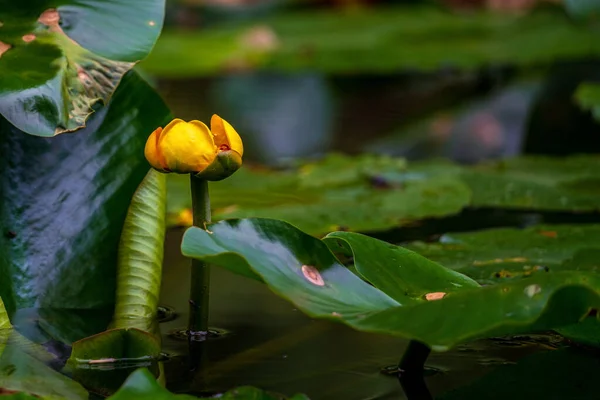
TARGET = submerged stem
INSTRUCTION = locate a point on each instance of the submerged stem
(411, 369)
(200, 275)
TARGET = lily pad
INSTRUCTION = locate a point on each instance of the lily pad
(495, 256)
(374, 193)
(302, 269)
(65, 200)
(538, 183)
(143, 386)
(365, 193)
(375, 40)
(58, 59)
(498, 255)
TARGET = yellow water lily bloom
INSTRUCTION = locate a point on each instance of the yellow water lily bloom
(190, 147)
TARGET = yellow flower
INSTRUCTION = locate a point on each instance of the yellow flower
(190, 147)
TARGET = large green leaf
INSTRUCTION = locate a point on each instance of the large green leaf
(370, 193)
(363, 193)
(399, 272)
(383, 39)
(142, 385)
(539, 183)
(64, 200)
(497, 255)
(58, 58)
(23, 371)
(302, 269)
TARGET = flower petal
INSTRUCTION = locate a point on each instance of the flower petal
(152, 151)
(187, 146)
(226, 137)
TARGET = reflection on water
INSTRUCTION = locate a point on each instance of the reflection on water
(274, 346)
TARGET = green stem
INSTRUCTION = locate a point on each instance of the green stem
(200, 276)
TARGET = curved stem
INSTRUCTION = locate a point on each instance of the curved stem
(411, 369)
(200, 274)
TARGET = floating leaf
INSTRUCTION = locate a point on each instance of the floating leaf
(497, 255)
(59, 58)
(277, 252)
(401, 273)
(363, 193)
(376, 40)
(371, 193)
(64, 200)
(538, 183)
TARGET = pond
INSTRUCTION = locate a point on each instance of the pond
(424, 170)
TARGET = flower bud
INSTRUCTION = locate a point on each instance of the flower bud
(190, 147)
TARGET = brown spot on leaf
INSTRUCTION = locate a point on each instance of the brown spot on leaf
(550, 234)
(28, 38)
(312, 275)
(4, 48)
(50, 17)
(434, 296)
(151, 23)
(336, 314)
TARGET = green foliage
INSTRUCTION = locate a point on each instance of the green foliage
(139, 270)
(588, 97)
(23, 371)
(339, 191)
(303, 270)
(142, 385)
(537, 183)
(497, 256)
(134, 336)
(64, 200)
(52, 75)
(375, 40)
(371, 193)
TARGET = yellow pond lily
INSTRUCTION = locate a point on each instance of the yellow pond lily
(190, 147)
